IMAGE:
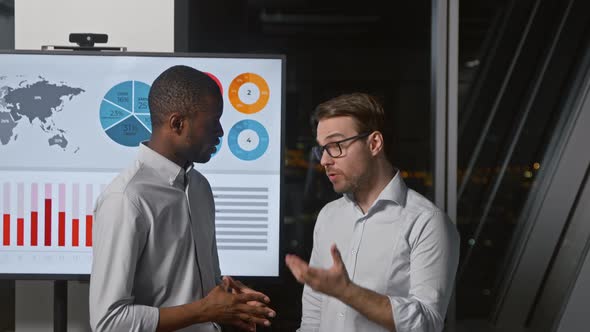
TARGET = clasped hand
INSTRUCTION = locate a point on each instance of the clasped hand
(233, 303)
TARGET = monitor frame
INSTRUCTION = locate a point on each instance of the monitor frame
(274, 56)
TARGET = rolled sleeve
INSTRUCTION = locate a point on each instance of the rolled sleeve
(434, 260)
(119, 237)
(410, 314)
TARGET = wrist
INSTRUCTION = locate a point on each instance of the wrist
(199, 312)
(347, 293)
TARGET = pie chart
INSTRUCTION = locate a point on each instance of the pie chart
(125, 114)
(248, 140)
(249, 93)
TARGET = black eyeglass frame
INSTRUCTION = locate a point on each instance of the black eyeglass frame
(318, 150)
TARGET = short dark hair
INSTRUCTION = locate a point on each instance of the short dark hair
(180, 89)
(367, 112)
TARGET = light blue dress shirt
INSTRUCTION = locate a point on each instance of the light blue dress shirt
(154, 245)
(404, 247)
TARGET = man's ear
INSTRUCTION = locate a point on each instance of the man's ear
(376, 142)
(176, 122)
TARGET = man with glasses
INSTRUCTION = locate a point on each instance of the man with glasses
(384, 257)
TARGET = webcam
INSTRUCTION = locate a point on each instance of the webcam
(86, 42)
(88, 39)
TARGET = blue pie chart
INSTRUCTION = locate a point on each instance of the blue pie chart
(125, 114)
(248, 140)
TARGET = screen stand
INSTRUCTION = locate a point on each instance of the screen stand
(60, 305)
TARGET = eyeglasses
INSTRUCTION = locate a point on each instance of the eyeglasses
(333, 148)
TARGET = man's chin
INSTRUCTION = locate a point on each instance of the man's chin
(203, 159)
(342, 187)
(339, 189)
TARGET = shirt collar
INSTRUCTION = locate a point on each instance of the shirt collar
(169, 171)
(395, 191)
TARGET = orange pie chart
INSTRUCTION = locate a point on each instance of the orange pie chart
(248, 93)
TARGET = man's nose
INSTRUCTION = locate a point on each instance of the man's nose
(326, 159)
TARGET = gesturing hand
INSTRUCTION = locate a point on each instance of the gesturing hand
(225, 307)
(332, 281)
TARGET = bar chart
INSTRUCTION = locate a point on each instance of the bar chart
(66, 215)
(47, 219)
(47, 225)
(53, 216)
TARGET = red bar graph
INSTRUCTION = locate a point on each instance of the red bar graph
(75, 232)
(6, 216)
(61, 216)
(6, 230)
(47, 222)
(47, 214)
(89, 208)
(61, 232)
(20, 214)
(34, 227)
(20, 232)
(75, 214)
(32, 222)
(34, 213)
(89, 231)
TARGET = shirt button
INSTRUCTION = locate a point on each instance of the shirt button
(341, 314)
(353, 251)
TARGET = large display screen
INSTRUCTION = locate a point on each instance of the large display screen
(71, 121)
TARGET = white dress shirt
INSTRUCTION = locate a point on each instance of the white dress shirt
(404, 247)
(154, 245)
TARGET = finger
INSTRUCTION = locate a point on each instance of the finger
(254, 320)
(294, 259)
(241, 288)
(250, 290)
(256, 303)
(224, 284)
(252, 296)
(336, 257)
(260, 312)
(297, 273)
(239, 284)
(234, 284)
(266, 299)
(297, 266)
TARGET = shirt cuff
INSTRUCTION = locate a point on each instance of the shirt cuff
(409, 315)
(149, 317)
